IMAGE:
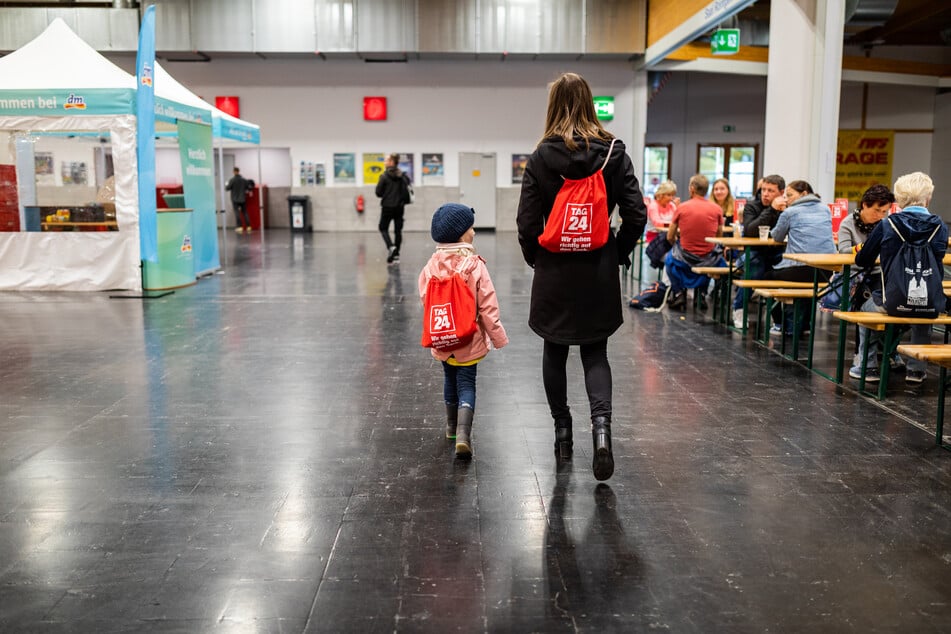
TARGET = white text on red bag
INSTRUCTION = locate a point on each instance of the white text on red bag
(579, 216)
(449, 313)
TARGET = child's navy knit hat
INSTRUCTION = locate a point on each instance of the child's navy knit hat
(451, 221)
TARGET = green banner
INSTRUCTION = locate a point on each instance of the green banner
(198, 178)
(175, 264)
(47, 103)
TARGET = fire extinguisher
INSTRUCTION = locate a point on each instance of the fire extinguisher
(359, 203)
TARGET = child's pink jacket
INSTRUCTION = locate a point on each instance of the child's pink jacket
(444, 261)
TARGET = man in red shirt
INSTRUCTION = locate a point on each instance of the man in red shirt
(694, 220)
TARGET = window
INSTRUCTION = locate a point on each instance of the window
(656, 167)
(736, 162)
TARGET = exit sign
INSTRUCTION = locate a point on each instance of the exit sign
(604, 108)
(725, 42)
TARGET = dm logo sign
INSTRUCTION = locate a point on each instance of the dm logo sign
(75, 102)
(578, 218)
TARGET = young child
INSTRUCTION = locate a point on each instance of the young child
(452, 229)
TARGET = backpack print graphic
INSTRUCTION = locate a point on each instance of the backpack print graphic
(911, 281)
(449, 313)
(579, 216)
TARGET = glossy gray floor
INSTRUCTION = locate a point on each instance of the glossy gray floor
(264, 452)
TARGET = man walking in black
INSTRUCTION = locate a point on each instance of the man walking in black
(393, 191)
(238, 186)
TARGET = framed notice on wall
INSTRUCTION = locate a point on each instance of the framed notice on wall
(518, 167)
(406, 166)
(344, 168)
(432, 168)
(373, 166)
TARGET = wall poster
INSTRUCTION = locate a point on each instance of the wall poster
(344, 168)
(432, 168)
(406, 166)
(44, 168)
(373, 166)
(864, 158)
(518, 167)
(74, 173)
(312, 174)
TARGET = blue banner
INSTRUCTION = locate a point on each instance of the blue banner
(145, 118)
(198, 178)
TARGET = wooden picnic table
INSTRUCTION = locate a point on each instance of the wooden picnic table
(740, 242)
(832, 262)
(939, 355)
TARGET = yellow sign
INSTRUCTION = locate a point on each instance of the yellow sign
(864, 158)
(373, 166)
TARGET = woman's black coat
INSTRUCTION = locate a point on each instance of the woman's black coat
(576, 297)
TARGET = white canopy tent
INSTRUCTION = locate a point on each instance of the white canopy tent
(57, 83)
(225, 128)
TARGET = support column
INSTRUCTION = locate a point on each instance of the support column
(639, 121)
(802, 91)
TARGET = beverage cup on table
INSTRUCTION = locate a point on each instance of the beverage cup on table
(737, 230)
(764, 233)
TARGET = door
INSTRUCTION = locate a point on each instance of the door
(477, 186)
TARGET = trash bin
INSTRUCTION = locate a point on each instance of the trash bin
(299, 208)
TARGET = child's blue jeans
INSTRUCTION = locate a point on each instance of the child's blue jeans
(459, 385)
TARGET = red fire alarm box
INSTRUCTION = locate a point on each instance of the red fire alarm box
(231, 105)
(374, 108)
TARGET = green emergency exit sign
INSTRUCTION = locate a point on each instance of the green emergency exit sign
(725, 42)
(604, 108)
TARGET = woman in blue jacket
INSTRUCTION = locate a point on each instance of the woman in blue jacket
(806, 227)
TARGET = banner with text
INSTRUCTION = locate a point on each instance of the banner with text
(864, 158)
(198, 179)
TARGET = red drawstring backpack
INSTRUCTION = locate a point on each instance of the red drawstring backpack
(449, 313)
(579, 217)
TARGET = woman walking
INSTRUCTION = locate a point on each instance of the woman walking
(576, 297)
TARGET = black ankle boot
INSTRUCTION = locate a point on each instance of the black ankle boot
(563, 442)
(603, 462)
(464, 433)
(452, 417)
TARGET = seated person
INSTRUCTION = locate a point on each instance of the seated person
(695, 220)
(763, 210)
(854, 230)
(806, 227)
(913, 194)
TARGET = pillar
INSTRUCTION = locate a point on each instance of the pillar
(802, 91)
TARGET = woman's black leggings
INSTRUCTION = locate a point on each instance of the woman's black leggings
(597, 378)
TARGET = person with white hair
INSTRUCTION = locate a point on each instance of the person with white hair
(913, 194)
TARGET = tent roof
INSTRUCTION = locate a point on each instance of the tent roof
(57, 58)
(181, 94)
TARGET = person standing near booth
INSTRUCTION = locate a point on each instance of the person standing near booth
(238, 186)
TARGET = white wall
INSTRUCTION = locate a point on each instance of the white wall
(315, 107)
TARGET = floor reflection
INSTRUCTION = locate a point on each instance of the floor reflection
(597, 574)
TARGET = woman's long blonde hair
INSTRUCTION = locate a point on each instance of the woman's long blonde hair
(729, 202)
(571, 112)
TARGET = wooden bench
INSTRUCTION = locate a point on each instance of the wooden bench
(939, 355)
(784, 296)
(720, 295)
(768, 284)
(881, 321)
